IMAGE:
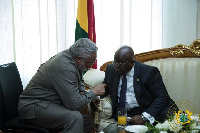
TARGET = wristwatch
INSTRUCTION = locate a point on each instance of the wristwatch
(145, 119)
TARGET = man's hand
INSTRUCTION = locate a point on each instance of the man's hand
(137, 120)
(99, 89)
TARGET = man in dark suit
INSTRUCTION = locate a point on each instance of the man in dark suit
(146, 97)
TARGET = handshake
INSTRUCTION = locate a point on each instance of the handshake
(99, 89)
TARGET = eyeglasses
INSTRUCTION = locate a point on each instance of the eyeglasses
(119, 64)
(91, 62)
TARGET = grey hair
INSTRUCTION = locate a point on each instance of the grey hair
(83, 48)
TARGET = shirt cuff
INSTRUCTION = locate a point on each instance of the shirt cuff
(149, 117)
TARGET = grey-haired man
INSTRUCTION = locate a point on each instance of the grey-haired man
(55, 94)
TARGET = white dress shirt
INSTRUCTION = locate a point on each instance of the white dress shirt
(130, 94)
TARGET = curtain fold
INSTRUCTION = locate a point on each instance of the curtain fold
(32, 31)
(198, 20)
(145, 24)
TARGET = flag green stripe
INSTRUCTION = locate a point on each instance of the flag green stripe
(79, 32)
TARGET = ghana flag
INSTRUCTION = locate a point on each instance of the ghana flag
(85, 22)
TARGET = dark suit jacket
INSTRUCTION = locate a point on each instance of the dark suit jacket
(149, 89)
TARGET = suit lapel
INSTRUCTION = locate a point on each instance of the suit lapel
(115, 90)
(137, 82)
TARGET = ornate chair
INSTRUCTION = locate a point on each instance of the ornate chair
(180, 69)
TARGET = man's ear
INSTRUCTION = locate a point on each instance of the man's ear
(78, 59)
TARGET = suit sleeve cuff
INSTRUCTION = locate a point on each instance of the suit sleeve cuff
(92, 94)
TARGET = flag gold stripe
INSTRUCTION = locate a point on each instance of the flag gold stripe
(82, 16)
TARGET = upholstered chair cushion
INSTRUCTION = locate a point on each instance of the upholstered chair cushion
(93, 77)
(181, 77)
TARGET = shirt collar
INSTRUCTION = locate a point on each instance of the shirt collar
(131, 72)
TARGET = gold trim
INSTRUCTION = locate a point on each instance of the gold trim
(194, 48)
(177, 52)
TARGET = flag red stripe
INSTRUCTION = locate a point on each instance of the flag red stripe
(91, 24)
(91, 30)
